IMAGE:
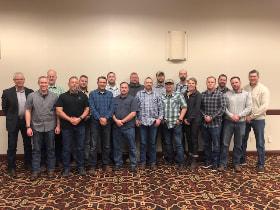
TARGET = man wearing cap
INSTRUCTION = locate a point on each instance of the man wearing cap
(175, 108)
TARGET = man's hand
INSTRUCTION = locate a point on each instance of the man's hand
(186, 122)
(57, 130)
(119, 123)
(103, 121)
(157, 122)
(75, 120)
(207, 118)
(29, 132)
(235, 118)
(138, 123)
(248, 119)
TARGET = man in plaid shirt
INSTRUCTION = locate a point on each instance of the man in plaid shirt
(213, 106)
(175, 108)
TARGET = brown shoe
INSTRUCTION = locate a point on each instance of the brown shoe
(237, 169)
(106, 168)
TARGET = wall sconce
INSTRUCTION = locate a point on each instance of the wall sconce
(176, 44)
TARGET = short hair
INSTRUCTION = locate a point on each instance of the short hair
(193, 79)
(148, 78)
(42, 77)
(101, 77)
(51, 70)
(124, 83)
(111, 73)
(254, 71)
(222, 75)
(18, 74)
(133, 73)
(73, 77)
(85, 76)
(235, 77)
(211, 77)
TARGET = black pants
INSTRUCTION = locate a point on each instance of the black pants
(192, 132)
(12, 145)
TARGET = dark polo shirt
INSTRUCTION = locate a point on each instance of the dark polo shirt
(124, 106)
(73, 105)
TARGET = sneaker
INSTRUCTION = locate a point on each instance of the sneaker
(82, 172)
(221, 168)
(260, 169)
(206, 165)
(66, 173)
(237, 169)
(34, 176)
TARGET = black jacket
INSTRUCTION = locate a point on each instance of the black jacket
(193, 102)
(10, 106)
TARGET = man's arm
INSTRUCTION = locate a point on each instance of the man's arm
(5, 103)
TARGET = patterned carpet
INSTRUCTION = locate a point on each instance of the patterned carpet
(165, 188)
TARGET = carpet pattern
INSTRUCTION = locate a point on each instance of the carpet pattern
(164, 188)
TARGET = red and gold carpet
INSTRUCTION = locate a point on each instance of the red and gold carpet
(164, 188)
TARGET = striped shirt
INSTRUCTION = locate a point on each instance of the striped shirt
(149, 107)
(239, 103)
(172, 105)
(213, 104)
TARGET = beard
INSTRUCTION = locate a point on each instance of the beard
(183, 79)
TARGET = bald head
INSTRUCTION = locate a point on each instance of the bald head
(51, 74)
(183, 74)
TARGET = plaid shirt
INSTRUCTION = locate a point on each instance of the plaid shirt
(115, 90)
(56, 90)
(101, 104)
(213, 104)
(150, 107)
(172, 106)
(159, 89)
(181, 88)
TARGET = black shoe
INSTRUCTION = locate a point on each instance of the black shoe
(106, 168)
(66, 173)
(51, 174)
(153, 166)
(117, 168)
(194, 163)
(260, 169)
(180, 166)
(91, 170)
(34, 176)
(12, 173)
(28, 167)
(221, 168)
(82, 172)
(237, 169)
(132, 169)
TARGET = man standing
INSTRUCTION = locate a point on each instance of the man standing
(52, 77)
(72, 108)
(134, 85)
(112, 86)
(159, 87)
(175, 108)
(101, 107)
(83, 87)
(42, 124)
(256, 120)
(213, 106)
(149, 116)
(13, 102)
(238, 107)
(182, 86)
(124, 126)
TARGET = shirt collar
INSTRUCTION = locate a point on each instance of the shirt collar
(53, 86)
(103, 92)
(112, 87)
(20, 91)
(159, 85)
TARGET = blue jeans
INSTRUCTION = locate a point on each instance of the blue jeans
(238, 130)
(148, 142)
(175, 134)
(76, 136)
(211, 139)
(258, 128)
(39, 139)
(87, 140)
(12, 145)
(103, 133)
(119, 135)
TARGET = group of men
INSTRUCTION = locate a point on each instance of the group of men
(59, 126)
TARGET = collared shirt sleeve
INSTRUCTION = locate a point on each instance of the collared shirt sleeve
(248, 106)
(137, 99)
(160, 107)
(222, 106)
(134, 105)
(59, 102)
(29, 102)
(264, 102)
(183, 103)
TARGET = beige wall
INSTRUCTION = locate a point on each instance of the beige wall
(93, 37)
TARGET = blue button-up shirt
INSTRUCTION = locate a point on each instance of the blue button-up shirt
(101, 104)
(150, 107)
